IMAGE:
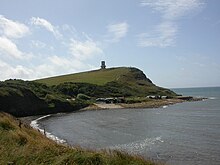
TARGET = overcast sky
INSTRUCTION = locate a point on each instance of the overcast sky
(175, 42)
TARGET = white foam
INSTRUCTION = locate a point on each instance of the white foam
(34, 124)
(212, 98)
(137, 146)
(165, 106)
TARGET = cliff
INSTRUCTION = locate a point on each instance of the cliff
(23, 98)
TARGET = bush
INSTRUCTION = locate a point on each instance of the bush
(133, 100)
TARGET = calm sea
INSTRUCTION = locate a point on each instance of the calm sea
(186, 133)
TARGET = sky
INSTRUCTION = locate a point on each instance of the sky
(176, 43)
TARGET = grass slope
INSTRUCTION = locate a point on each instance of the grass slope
(121, 81)
(98, 77)
(24, 145)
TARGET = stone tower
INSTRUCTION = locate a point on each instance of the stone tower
(103, 66)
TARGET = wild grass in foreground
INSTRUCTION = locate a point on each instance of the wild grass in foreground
(20, 144)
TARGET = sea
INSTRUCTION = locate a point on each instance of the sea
(180, 134)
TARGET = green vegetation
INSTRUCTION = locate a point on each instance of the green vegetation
(72, 92)
(18, 145)
(98, 77)
(112, 82)
(132, 100)
(67, 93)
(25, 98)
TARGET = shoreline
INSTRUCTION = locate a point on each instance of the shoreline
(103, 106)
(22, 148)
(32, 121)
(147, 105)
(156, 103)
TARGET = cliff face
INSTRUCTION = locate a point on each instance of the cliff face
(135, 74)
(20, 102)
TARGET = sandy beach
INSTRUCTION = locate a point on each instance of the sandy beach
(148, 104)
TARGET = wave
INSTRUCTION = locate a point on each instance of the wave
(165, 106)
(212, 98)
(205, 98)
(137, 146)
(34, 124)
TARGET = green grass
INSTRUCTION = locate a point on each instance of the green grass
(7, 91)
(98, 77)
(121, 81)
(27, 146)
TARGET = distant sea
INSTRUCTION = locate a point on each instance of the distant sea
(180, 134)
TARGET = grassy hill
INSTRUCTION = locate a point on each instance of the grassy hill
(121, 81)
(55, 94)
(98, 77)
(24, 145)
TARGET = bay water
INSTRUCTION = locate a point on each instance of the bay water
(185, 133)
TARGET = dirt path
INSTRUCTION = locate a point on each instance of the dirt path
(108, 106)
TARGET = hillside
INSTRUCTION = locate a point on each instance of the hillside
(121, 81)
(72, 92)
(20, 144)
(97, 77)
(26, 98)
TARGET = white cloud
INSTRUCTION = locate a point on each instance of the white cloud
(9, 48)
(15, 63)
(55, 65)
(7, 71)
(66, 63)
(83, 50)
(172, 9)
(12, 29)
(117, 31)
(59, 61)
(47, 25)
(165, 33)
(51, 66)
